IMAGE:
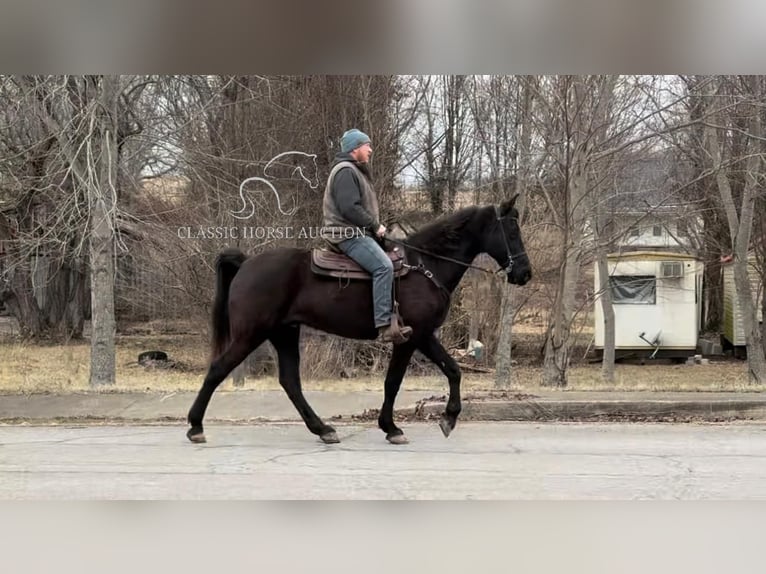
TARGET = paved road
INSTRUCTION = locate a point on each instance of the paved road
(480, 460)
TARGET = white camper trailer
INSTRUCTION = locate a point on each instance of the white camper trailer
(657, 304)
(733, 324)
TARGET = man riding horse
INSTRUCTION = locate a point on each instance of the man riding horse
(350, 204)
(271, 295)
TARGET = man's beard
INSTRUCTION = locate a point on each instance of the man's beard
(365, 169)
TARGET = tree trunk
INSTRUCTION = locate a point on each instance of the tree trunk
(714, 240)
(450, 128)
(605, 300)
(556, 361)
(473, 320)
(760, 246)
(713, 282)
(455, 137)
(606, 90)
(436, 193)
(65, 302)
(756, 361)
(503, 366)
(61, 310)
(763, 312)
(715, 244)
(740, 228)
(21, 302)
(102, 204)
(238, 375)
(77, 308)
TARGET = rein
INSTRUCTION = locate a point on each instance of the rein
(507, 269)
(436, 256)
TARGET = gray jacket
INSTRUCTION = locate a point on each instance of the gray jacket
(349, 201)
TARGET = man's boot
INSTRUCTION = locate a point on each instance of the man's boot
(394, 333)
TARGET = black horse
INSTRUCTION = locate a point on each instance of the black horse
(270, 295)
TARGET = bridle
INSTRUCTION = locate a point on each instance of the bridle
(509, 266)
(420, 267)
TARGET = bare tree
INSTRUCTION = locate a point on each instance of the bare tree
(587, 129)
(101, 172)
(714, 240)
(44, 203)
(740, 214)
(42, 214)
(444, 136)
(82, 115)
(499, 173)
(598, 225)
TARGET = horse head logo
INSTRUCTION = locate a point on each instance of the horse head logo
(308, 173)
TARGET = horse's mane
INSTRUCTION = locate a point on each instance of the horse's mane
(444, 234)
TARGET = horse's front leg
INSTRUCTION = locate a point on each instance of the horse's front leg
(396, 369)
(434, 351)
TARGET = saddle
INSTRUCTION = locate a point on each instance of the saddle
(334, 264)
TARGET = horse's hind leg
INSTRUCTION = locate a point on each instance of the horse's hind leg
(235, 353)
(285, 340)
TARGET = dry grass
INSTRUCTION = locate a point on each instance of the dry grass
(64, 368)
(721, 376)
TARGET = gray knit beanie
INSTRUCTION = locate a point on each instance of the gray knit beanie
(352, 139)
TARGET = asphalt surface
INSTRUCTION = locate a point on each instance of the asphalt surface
(480, 460)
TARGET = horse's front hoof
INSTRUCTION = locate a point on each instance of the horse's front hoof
(196, 436)
(329, 437)
(446, 425)
(397, 439)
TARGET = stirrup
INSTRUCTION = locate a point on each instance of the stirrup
(394, 333)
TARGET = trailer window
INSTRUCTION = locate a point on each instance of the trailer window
(633, 289)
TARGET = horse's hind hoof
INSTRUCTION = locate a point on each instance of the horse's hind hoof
(196, 436)
(397, 439)
(330, 437)
(446, 426)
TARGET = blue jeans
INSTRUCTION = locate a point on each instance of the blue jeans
(371, 257)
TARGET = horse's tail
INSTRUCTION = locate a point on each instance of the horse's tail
(226, 266)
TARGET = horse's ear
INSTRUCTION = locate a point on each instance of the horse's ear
(506, 206)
